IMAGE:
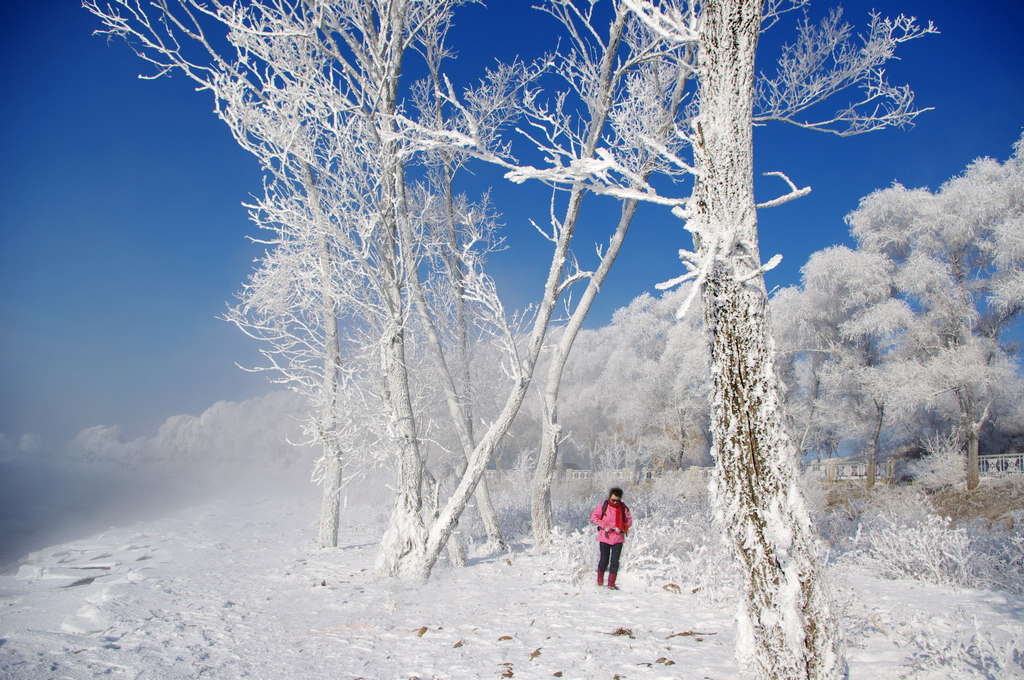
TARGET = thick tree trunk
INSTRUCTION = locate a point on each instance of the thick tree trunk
(787, 628)
(786, 616)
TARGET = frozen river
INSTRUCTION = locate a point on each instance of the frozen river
(42, 503)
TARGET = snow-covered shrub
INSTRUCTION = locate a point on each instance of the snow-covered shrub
(668, 490)
(907, 503)
(968, 650)
(510, 495)
(815, 491)
(1014, 555)
(681, 552)
(835, 515)
(1015, 543)
(839, 511)
(930, 549)
(571, 508)
(900, 535)
(574, 554)
(1002, 551)
(944, 466)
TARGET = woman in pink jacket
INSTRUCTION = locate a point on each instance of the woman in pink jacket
(613, 522)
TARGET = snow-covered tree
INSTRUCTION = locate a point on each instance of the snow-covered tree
(958, 262)
(313, 90)
(292, 302)
(456, 237)
(814, 422)
(291, 305)
(636, 390)
(337, 67)
(787, 626)
(846, 324)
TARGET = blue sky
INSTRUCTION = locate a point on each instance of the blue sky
(123, 234)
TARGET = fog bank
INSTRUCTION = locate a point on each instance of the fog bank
(103, 479)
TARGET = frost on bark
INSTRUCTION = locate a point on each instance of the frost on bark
(330, 511)
(402, 546)
(787, 628)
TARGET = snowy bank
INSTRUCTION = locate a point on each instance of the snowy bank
(236, 589)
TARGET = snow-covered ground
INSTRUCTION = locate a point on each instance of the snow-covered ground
(236, 589)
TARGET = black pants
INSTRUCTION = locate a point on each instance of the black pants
(609, 557)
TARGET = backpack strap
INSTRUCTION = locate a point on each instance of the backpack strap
(604, 509)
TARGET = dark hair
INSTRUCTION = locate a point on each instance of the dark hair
(615, 491)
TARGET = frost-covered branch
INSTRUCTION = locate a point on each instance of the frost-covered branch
(793, 194)
(827, 59)
(669, 21)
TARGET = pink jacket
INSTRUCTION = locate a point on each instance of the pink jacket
(608, 533)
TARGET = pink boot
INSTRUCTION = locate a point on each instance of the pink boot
(600, 578)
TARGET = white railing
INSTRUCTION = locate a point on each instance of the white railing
(1001, 465)
(577, 475)
(833, 470)
(840, 471)
(700, 472)
(640, 475)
